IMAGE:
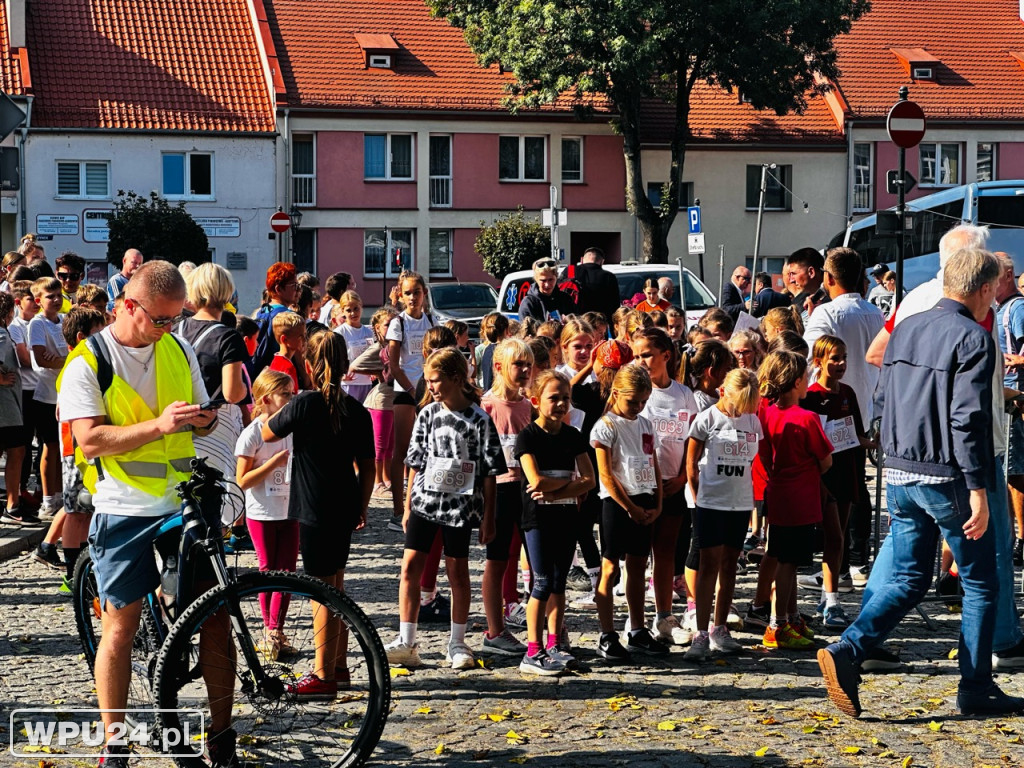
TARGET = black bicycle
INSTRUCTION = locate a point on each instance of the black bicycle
(219, 636)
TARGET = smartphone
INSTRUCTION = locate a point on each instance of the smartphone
(818, 296)
(212, 405)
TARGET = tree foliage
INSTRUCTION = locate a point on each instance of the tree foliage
(157, 228)
(628, 52)
(512, 242)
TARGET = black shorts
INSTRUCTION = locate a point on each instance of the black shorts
(44, 415)
(15, 437)
(420, 534)
(791, 544)
(325, 548)
(720, 527)
(508, 518)
(28, 417)
(621, 536)
(675, 505)
(404, 398)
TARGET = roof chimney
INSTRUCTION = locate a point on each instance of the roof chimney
(16, 22)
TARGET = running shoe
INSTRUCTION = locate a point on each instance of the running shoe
(610, 647)
(699, 649)
(437, 611)
(395, 524)
(679, 587)
(642, 641)
(835, 617)
(752, 542)
(402, 654)
(542, 664)
(312, 688)
(733, 620)
(859, 575)
(787, 638)
(757, 618)
(47, 556)
(113, 757)
(65, 586)
(815, 580)
(381, 491)
(802, 628)
(841, 678)
(723, 642)
(515, 614)
(690, 620)
(460, 655)
(669, 630)
(18, 516)
(578, 580)
(46, 512)
(880, 660)
(1011, 658)
(562, 652)
(992, 702)
(505, 644)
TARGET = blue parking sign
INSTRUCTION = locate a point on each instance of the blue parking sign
(694, 214)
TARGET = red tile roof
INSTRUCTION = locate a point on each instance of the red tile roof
(979, 76)
(188, 65)
(13, 75)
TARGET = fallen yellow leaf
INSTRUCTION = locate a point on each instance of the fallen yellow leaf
(769, 721)
(694, 719)
(761, 752)
(952, 655)
(424, 711)
(906, 762)
(399, 672)
(667, 725)
(934, 726)
(851, 750)
(440, 749)
(518, 760)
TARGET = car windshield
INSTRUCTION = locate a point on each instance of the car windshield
(632, 283)
(462, 296)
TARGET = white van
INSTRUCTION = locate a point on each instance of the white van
(631, 277)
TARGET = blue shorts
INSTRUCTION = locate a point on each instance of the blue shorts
(123, 559)
(1015, 447)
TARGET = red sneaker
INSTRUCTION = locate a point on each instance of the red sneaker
(312, 688)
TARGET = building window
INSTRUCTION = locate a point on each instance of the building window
(441, 242)
(863, 176)
(522, 158)
(188, 175)
(655, 188)
(440, 171)
(304, 250)
(986, 162)
(940, 165)
(572, 159)
(303, 169)
(387, 156)
(776, 195)
(83, 179)
(387, 249)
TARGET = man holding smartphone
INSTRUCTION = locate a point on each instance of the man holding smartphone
(805, 271)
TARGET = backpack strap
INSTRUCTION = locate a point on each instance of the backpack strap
(1011, 345)
(104, 366)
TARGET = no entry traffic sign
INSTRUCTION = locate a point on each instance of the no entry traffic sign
(280, 222)
(905, 124)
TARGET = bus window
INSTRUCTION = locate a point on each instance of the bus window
(932, 223)
(1001, 212)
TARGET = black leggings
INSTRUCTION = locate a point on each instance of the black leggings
(587, 518)
(550, 554)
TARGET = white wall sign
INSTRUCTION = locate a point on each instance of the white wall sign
(220, 226)
(57, 223)
(95, 223)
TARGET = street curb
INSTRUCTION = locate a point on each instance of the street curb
(17, 540)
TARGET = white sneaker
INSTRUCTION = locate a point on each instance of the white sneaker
(461, 656)
(402, 654)
(584, 601)
(723, 642)
(733, 620)
(698, 650)
(813, 581)
(859, 575)
(669, 630)
(690, 621)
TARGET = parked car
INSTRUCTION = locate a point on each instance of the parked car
(468, 302)
(631, 277)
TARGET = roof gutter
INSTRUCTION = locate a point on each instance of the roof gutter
(158, 132)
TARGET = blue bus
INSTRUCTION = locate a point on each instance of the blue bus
(998, 204)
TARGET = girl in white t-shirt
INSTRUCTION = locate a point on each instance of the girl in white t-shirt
(262, 472)
(721, 448)
(631, 493)
(348, 314)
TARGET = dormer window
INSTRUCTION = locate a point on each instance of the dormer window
(379, 51)
(917, 62)
(922, 73)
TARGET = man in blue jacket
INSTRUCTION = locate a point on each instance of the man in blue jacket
(935, 397)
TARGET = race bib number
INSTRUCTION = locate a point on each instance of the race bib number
(842, 434)
(415, 344)
(450, 476)
(277, 482)
(641, 473)
(559, 474)
(508, 447)
(356, 347)
(733, 448)
(669, 426)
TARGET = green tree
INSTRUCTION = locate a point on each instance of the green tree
(512, 242)
(624, 53)
(157, 228)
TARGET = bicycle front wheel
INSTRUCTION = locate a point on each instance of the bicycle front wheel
(275, 725)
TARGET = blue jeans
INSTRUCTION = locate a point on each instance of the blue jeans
(1008, 632)
(920, 514)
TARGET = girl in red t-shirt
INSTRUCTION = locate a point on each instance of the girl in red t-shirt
(795, 452)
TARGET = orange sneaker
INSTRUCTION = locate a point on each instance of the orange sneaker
(770, 637)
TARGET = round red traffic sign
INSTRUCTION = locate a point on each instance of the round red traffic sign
(905, 124)
(280, 222)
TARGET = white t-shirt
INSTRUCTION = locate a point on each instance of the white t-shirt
(412, 344)
(671, 411)
(80, 398)
(44, 333)
(19, 334)
(267, 501)
(357, 340)
(325, 311)
(631, 443)
(730, 445)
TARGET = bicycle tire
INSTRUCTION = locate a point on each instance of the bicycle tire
(145, 648)
(273, 725)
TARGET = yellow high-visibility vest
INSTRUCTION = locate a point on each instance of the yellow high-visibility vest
(146, 467)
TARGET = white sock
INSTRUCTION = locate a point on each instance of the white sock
(458, 633)
(831, 598)
(407, 632)
(594, 574)
(47, 502)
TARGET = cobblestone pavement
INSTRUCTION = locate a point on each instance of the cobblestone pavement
(761, 708)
